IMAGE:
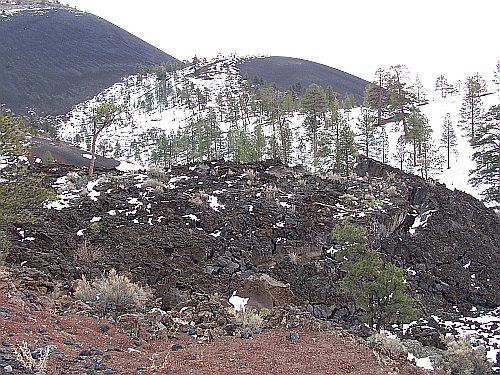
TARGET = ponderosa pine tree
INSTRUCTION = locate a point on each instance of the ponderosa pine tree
(20, 189)
(444, 87)
(314, 105)
(377, 97)
(381, 150)
(403, 98)
(417, 132)
(100, 117)
(377, 288)
(366, 137)
(472, 112)
(401, 154)
(486, 155)
(346, 149)
(448, 139)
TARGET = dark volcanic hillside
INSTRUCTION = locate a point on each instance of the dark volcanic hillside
(53, 59)
(287, 71)
(215, 227)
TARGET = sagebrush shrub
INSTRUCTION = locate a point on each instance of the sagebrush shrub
(113, 294)
(462, 358)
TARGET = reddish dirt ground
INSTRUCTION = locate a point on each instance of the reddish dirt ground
(88, 345)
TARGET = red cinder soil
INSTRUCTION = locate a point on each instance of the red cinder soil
(88, 345)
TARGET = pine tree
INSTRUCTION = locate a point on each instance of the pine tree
(417, 132)
(444, 87)
(448, 139)
(378, 289)
(400, 154)
(429, 160)
(402, 97)
(472, 111)
(346, 149)
(486, 155)
(314, 105)
(100, 118)
(381, 150)
(377, 96)
(366, 137)
(20, 189)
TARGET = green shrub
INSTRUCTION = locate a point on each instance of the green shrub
(113, 294)
(5, 245)
(47, 158)
(95, 228)
(377, 288)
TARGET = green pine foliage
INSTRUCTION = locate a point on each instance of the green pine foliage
(366, 137)
(378, 289)
(20, 190)
(12, 136)
(314, 106)
(486, 147)
(448, 139)
(472, 112)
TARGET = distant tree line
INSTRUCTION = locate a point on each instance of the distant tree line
(251, 120)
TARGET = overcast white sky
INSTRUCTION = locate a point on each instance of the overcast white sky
(432, 37)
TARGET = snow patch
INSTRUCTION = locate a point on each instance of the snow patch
(421, 362)
(238, 302)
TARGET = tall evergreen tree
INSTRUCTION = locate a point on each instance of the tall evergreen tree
(448, 139)
(314, 105)
(417, 132)
(400, 154)
(381, 144)
(366, 137)
(403, 99)
(472, 111)
(101, 117)
(346, 149)
(486, 155)
(377, 96)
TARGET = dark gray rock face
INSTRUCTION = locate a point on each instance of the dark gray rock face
(447, 241)
(212, 228)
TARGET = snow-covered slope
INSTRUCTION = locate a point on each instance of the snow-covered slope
(200, 92)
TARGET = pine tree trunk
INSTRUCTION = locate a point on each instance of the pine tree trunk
(92, 159)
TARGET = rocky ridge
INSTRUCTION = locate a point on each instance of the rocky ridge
(264, 230)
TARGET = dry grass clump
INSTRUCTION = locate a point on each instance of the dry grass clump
(389, 346)
(250, 174)
(252, 318)
(25, 357)
(113, 294)
(87, 252)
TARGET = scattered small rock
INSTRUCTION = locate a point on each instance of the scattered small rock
(246, 334)
(4, 312)
(176, 347)
(293, 336)
(104, 328)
